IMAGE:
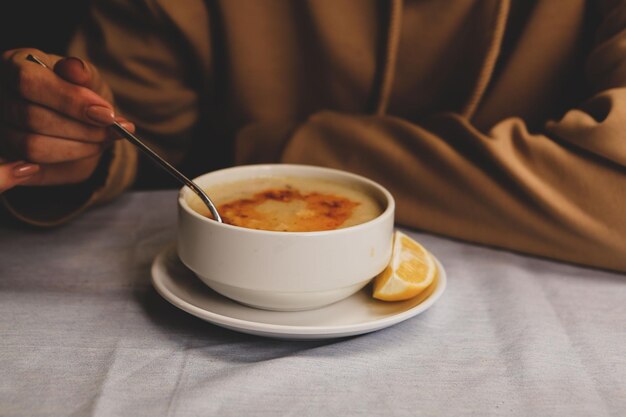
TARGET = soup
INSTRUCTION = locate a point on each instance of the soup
(290, 204)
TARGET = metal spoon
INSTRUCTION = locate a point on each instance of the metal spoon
(155, 157)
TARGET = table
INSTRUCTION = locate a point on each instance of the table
(83, 333)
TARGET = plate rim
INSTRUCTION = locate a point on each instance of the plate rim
(260, 328)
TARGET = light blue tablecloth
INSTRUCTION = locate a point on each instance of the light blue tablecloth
(82, 333)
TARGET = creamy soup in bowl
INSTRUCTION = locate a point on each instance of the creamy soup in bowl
(290, 204)
(294, 237)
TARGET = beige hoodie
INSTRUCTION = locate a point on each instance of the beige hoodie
(497, 122)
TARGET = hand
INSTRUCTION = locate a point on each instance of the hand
(54, 121)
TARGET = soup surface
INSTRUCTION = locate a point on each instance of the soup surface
(290, 204)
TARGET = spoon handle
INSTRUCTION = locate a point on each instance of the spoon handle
(168, 167)
(155, 157)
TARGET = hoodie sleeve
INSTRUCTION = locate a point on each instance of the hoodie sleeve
(560, 193)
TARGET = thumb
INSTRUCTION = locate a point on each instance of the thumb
(84, 74)
(79, 72)
(74, 70)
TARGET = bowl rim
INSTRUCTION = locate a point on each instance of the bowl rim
(382, 217)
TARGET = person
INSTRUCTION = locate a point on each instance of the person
(496, 122)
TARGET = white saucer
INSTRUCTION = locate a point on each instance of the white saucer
(357, 314)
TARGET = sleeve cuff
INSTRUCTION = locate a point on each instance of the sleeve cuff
(51, 206)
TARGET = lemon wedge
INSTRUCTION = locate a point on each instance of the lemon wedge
(411, 270)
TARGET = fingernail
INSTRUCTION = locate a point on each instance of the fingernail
(128, 126)
(25, 170)
(101, 115)
(76, 59)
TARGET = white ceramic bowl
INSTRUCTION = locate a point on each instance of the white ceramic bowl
(284, 271)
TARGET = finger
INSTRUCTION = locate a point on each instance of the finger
(9, 58)
(49, 60)
(42, 86)
(32, 117)
(73, 172)
(43, 149)
(15, 173)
